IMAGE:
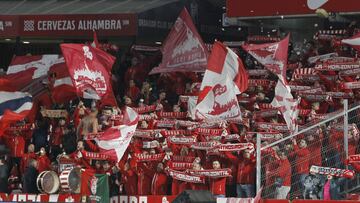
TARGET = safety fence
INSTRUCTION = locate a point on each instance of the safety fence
(297, 166)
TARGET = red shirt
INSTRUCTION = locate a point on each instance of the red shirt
(43, 163)
(246, 169)
(303, 157)
(285, 172)
(217, 186)
(159, 184)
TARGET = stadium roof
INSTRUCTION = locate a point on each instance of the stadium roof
(28, 7)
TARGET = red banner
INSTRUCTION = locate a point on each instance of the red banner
(68, 25)
(236, 8)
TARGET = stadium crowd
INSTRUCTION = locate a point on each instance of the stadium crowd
(168, 145)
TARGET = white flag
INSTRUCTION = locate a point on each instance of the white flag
(287, 105)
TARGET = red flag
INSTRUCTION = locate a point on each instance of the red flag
(224, 78)
(271, 55)
(183, 49)
(89, 69)
(354, 41)
(223, 62)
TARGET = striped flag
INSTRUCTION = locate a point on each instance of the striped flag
(353, 41)
(115, 140)
(14, 106)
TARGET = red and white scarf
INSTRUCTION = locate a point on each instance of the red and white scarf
(150, 145)
(343, 95)
(265, 136)
(338, 66)
(182, 176)
(332, 171)
(95, 156)
(212, 173)
(266, 113)
(145, 109)
(186, 159)
(297, 88)
(181, 140)
(180, 165)
(351, 72)
(165, 123)
(231, 137)
(352, 85)
(232, 147)
(315, 97)
(272, 126)
(203, 145)
(149, 157)
(172, 115)
(212, 132)
(167, 133)
(147, 117)
(19, 127)
(265, 83)
(149, 134)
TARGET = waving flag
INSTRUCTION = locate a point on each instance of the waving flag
(14, 106)
(220, 103)
(287, 105)
(115, 140)
(94, 186)
(40, 64)
(353, 41)
(183, 49)
(271, 55)
(90, 70)
(224, 78)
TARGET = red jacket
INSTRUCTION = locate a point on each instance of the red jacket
(56, 137)
(217, 186)
(43, 163)
(80, 159)
(159, 184)
(16, 144)
(246, 170)
(133, 93)
(25, 159)
(129, 179)
(145, 176)
(303, 157)
(285, 172)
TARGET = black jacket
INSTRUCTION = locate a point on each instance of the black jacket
(29, 180)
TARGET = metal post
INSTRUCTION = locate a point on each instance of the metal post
(346, 129)
(258, 163)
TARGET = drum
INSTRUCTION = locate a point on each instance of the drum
(70, 180)
(48, 182)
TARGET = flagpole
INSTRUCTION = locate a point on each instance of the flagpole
(258, 162)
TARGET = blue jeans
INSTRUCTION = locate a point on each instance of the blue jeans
(245, 191)
(219, 196)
